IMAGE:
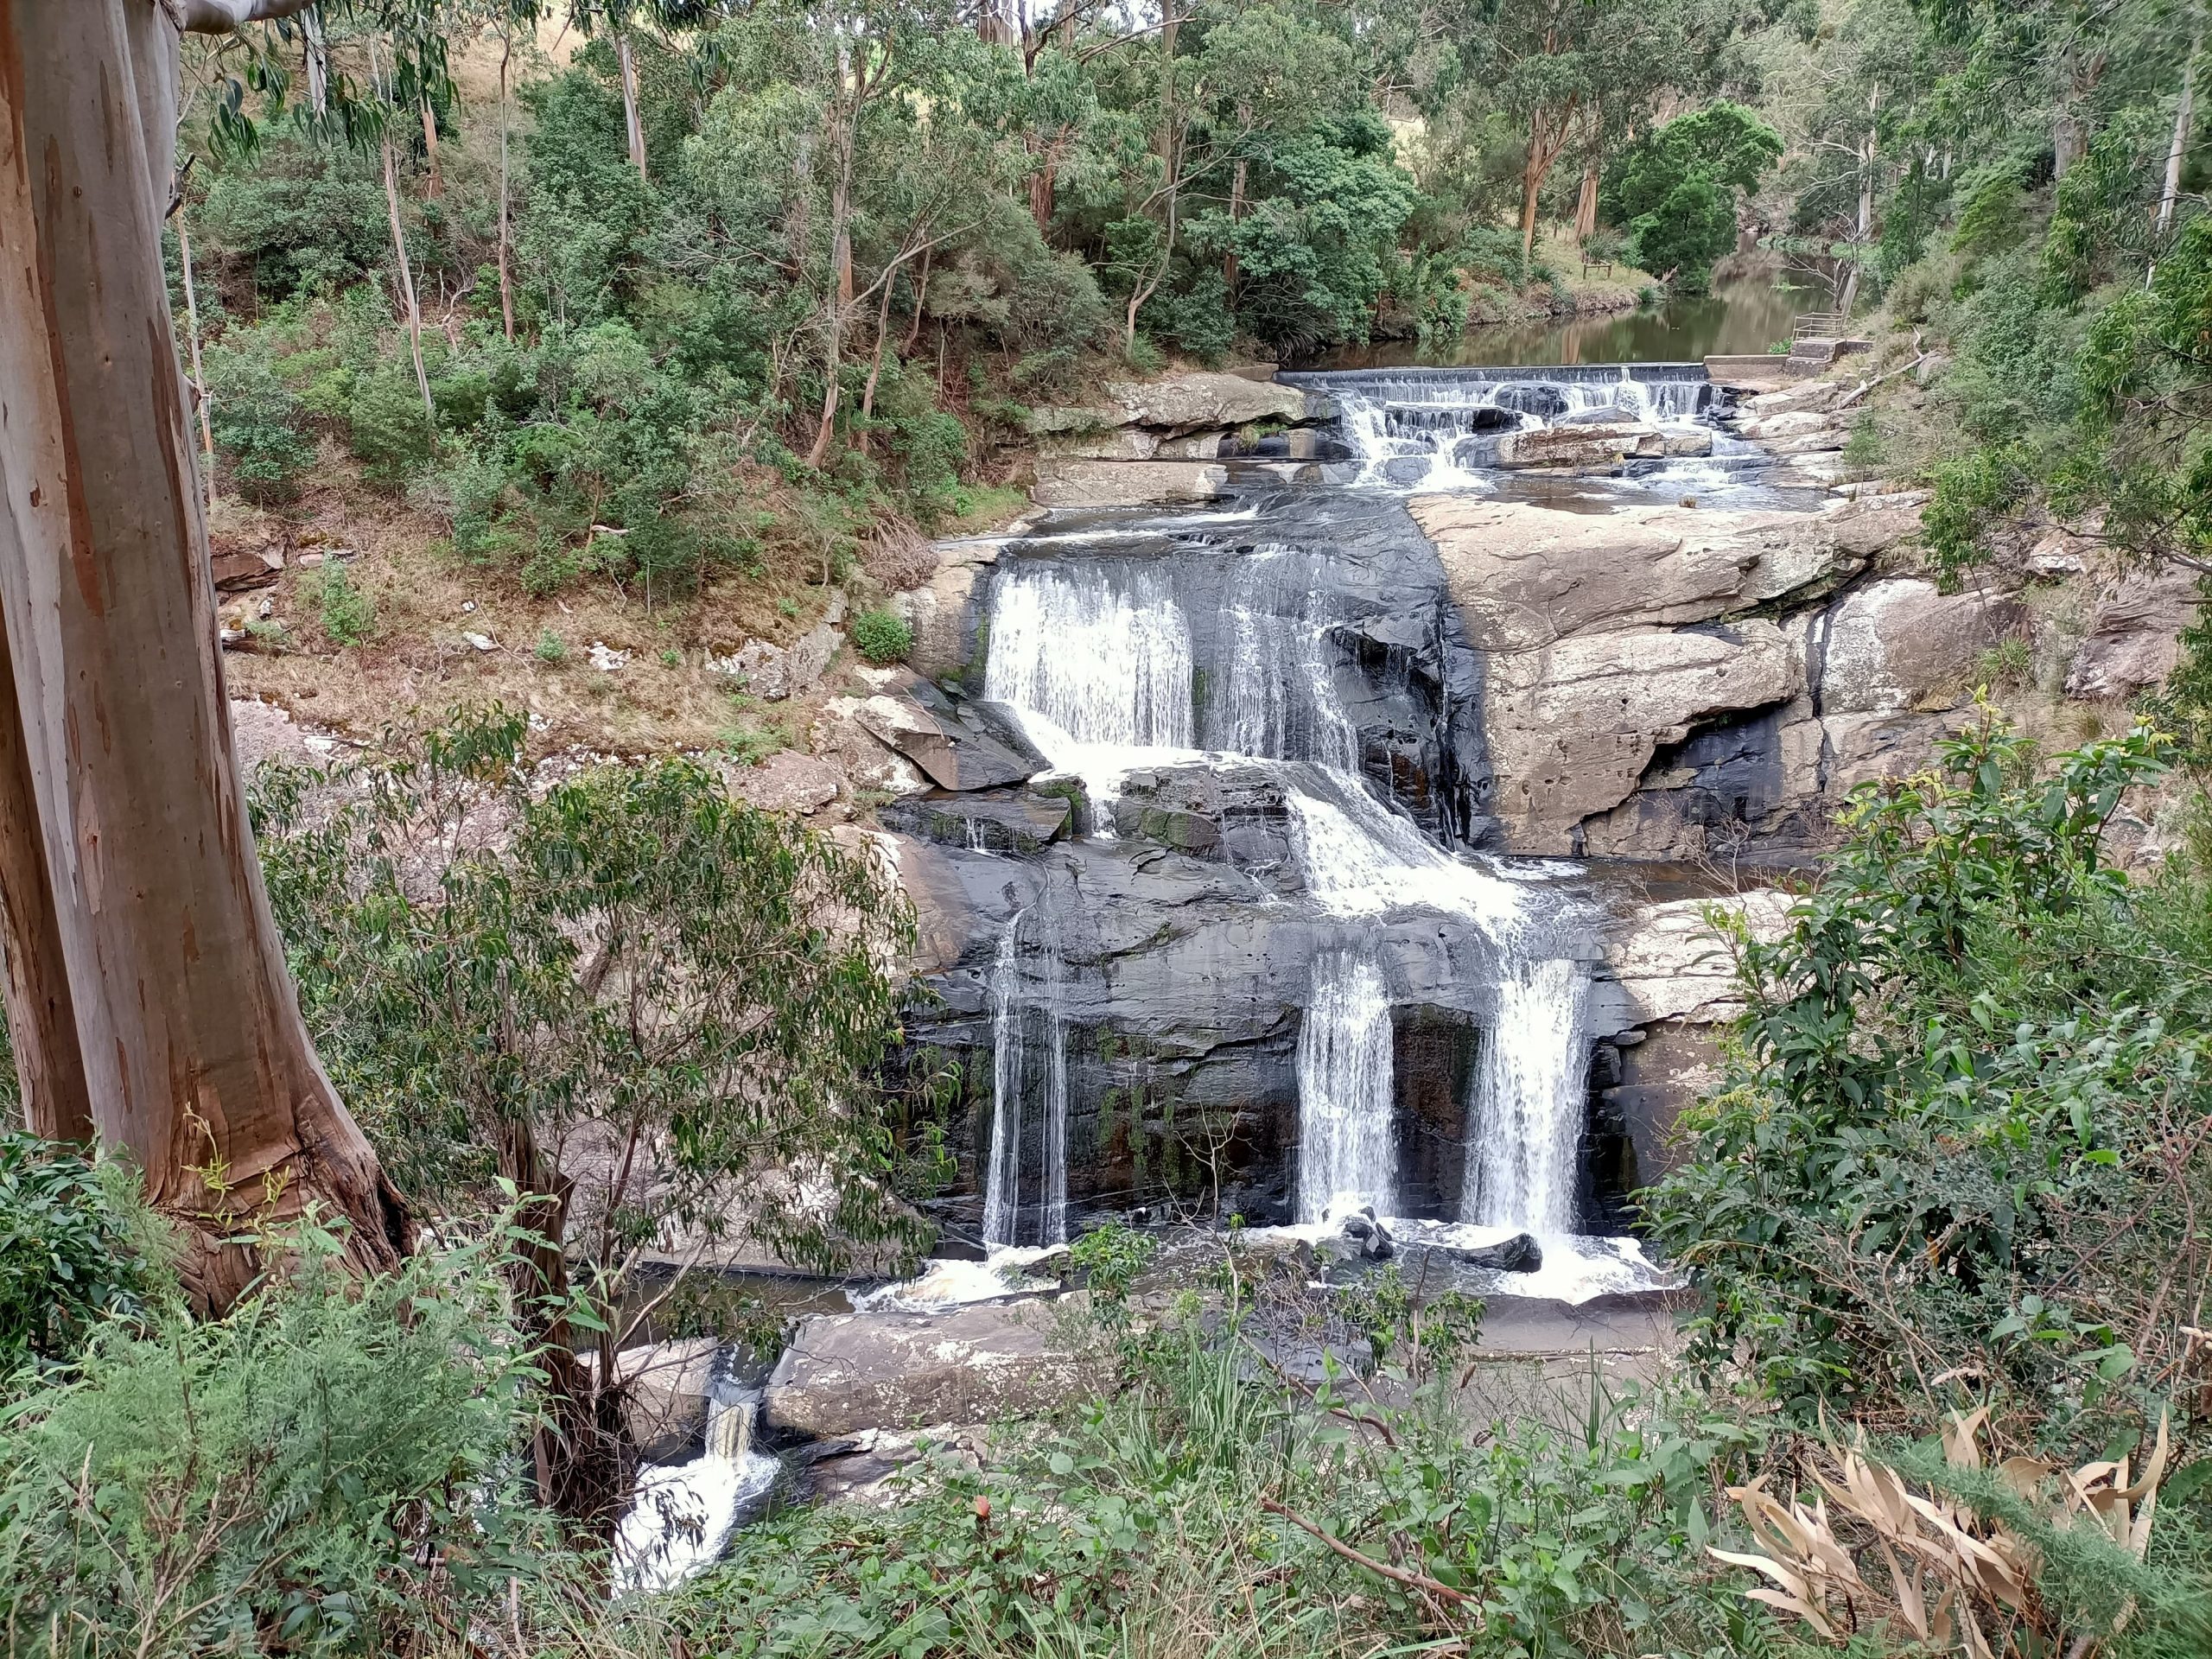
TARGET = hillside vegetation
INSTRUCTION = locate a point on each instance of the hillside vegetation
(658, 328)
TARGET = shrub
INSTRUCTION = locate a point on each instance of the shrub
(259, 424)
(73, 1250)
(550, 648)
(385, 425)
(348, 616)
(882, 636)
(1964, 1118)
(301, 1476)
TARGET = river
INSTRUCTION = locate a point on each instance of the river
(1741, 318)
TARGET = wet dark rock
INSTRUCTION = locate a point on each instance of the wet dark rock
(1436, 1262)
(998, 821)
(1536, 397)
(963, 744)
(1372, 1238)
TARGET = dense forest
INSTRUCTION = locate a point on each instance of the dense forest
(697, 313)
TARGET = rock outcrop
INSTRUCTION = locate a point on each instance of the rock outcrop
(961, 744)
(1075, 482)
(1183, 403)
(1670, 983)
(1898, 644)
(1667, 682)
(1573, 727)
(2133, 639)
(846, 1373)
(1526, 575)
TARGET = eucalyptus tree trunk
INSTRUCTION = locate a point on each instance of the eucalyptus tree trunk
(632, 122)
(506, 277)
(147, 991)
(199, 374)
(410, 306)
(2184, 114)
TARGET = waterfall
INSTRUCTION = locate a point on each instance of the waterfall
(1103, 664)
(1277, 698)
(1347, 1153)
(1010, 1058)
(1530, 1097)
(680, 1521)
(1362, 858)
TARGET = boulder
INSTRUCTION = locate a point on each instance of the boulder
(1898, 644)
(787, 782)
(1576, 448)
(844, 1373)
(943, 611)
(963, 745)
(1181, 403)
(2134, 634)
(774, 672)
(1798, 422)
(236, 571)
(1066, 481)
(1524, 575)
(1519, 1253)
(842, 737)
(1870, 527)
(1185, 403)
(1571, 726)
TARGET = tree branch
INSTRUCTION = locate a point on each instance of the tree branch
(1412, 1580)
(227, 16)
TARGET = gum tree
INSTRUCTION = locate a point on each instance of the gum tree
(147, 992)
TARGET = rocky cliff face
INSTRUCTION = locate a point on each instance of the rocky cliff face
(1670, 682)
(1683, 694)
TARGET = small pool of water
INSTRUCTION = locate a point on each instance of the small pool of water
(1737, 319)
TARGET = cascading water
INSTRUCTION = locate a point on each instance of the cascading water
(1014, 1058)
(681, 1518)
(1347, 1154)
(1529, 1097)
(1421, 427)
(1163, 644)
(1106, 664)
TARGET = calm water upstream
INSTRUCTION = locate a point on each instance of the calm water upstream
(1744, 317)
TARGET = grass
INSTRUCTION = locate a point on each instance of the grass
(417, 659)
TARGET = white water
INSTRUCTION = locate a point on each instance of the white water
(1362, 858)
(1348, 1157)
(1109, 673)
(1530, 1097)
(680, 1521)
(1427, 418)
(1105, 666)
(1010, 1092)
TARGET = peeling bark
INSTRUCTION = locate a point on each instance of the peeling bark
(632, 122)
(147, 976)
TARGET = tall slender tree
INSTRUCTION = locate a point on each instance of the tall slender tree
(147, 991)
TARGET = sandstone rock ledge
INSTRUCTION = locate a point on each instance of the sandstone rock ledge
(1664, 681)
